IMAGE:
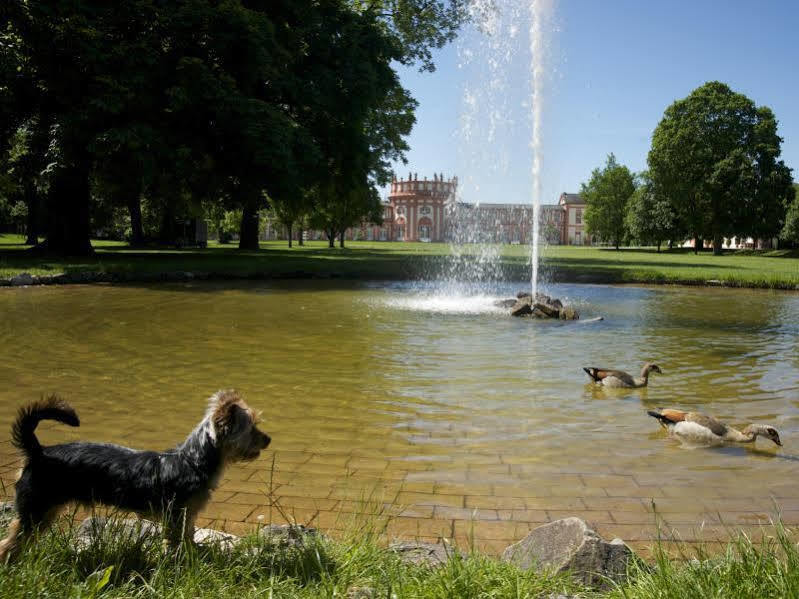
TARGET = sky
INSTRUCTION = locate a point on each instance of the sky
(610, 69)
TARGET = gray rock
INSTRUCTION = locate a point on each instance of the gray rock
(209, 536)
(523, 294)
(288, 536)
(522, 307)
(570, 545)
(360, 593)
(548, 310)
(422, 554)
(7, 512)
(506, 303)
(5, 282)
(95, 528)
(99, 528)
(23, 278)
(569, 313)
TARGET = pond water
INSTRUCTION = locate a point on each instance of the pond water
(470, 423)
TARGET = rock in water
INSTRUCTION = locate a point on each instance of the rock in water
(568, 313)
(522, 307)
(570, 545)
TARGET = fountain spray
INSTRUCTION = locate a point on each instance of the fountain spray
(540, 11)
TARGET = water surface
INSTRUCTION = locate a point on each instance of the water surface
(442, 403)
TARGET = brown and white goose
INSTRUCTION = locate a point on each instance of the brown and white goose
(619, 378)
(695, 427)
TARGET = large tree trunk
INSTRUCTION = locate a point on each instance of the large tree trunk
(698, 243)
(167, 231)
(248, 232)
(289, 227)
(300, 240)
(32, 220)
(658, 246)
(68, 212)
(717, 244)
(136, 227)
(341, 239)
(331, 238)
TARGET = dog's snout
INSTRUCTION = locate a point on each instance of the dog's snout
(265, 440)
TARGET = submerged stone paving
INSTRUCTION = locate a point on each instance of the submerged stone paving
(478, 507)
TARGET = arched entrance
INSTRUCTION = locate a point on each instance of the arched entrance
(424, 229)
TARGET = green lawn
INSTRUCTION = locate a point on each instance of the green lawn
(395, 260)
(119, 564)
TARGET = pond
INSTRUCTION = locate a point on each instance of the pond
(435, 410)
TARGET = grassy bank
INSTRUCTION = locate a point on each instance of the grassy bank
(117, 566)
(394, 260)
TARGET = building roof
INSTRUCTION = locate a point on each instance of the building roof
(571, 198)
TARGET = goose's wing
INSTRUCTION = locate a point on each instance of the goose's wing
(667, 416)
(716, 427)
(599, 374)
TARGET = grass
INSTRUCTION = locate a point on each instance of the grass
(397, 261)
(120, 566)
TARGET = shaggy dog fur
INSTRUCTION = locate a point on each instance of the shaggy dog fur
(171, 486)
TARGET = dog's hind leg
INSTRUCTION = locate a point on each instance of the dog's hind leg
(23, 528)
(9, 545)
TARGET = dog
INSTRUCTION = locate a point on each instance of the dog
(171, 486)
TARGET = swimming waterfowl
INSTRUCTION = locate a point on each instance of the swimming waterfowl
(695, 427)
(619, 378)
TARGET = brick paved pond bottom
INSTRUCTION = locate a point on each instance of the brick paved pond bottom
(425, 414)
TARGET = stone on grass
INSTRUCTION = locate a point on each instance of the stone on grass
(422, 554)
(570, 545)
(95, 528)
(23, 278)
(288, 536)
(7, 512)
(360, 593)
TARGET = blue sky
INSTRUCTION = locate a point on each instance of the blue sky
(612, 68)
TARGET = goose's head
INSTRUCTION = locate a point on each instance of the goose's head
(764, 430)
(652, 367)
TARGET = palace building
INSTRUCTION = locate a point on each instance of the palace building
(428, 210)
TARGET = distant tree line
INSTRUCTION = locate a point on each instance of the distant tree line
(714, 173)
(130, 115)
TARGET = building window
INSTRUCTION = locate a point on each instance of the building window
(578, 217)
(425, 210)
(400, 210)
(400, 233)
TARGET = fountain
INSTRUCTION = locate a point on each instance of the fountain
(487, 132)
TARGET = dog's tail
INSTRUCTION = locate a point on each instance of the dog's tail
(28, 417)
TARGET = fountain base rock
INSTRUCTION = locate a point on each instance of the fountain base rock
(542, 306)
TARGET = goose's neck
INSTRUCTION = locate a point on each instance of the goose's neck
(745, 436)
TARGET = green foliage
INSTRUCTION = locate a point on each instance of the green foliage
(607, 194)
(790, 232)
(715, 156)
(650, 218)
(418, 26)
(154, 107)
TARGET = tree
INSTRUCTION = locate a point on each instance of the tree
(715, 156)
(790, 232)
(650, 218)
(606, 195)
(417, 26)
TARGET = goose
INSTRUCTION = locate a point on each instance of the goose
(696, 427)
(619, 378)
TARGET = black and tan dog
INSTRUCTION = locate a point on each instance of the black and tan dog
(170, 486)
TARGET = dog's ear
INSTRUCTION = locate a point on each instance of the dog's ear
(230, 420)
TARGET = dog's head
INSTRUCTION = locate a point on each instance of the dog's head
(235, 427)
